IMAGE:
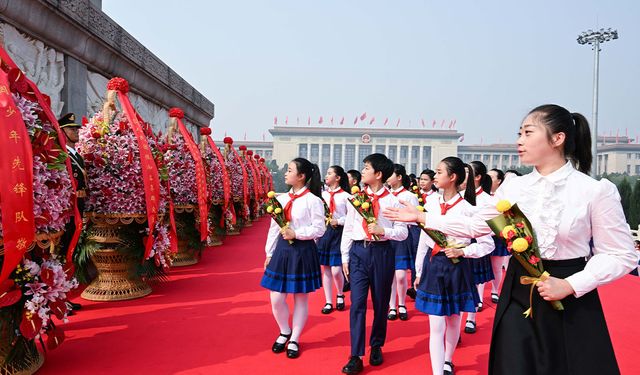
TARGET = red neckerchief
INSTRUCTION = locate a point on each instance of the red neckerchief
(289, 205)
(444, 207)
(395, 193)
(479, 192)
(375, 205)
(332, 201)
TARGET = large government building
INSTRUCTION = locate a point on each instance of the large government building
(416, 148)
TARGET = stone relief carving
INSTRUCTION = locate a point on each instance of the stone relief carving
(43, 65)
(152, 113)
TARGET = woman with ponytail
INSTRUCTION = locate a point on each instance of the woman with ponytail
(399, 184)
(445, 289)
(567, 209)
(294, 267)
(335, 197)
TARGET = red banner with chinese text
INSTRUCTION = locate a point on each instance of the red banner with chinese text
(226, 181)
(16, 189)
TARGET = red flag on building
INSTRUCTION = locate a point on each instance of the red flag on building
(309, 121)
(331, 120)
(321, 120)
(442, 125)
(342, 121)
(461, 139)
(275, 120)
(422, 121)
(373, 119)
(398, 123)
(363, 116)
(286, 120)
(355, 121)
(386, 121)
(245, 136)
(433, 124)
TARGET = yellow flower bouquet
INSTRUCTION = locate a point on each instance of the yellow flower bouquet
(514, 227)
(274, 208)
(362, 203)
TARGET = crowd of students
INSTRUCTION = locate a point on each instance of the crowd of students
(582, 233)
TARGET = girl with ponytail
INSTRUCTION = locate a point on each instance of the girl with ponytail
(445, 289)
(335, 197)
(480, 267)
(567, 210)
(294, 267)
(399, 184)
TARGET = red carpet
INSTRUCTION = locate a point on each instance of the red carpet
(213, 318)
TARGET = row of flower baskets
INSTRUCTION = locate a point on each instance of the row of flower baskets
(146, 195)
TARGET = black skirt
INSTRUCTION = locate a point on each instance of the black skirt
(574, 341)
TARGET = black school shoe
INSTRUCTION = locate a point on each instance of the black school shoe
(327, 309)
(354, 366)
(375, 358)
(339, 305)
(279, 348)
(447, 372)
(293, 353)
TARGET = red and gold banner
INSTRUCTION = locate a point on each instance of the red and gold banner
(16, 189)
(150, 175)
(201, 176)
(46, 107)
(226, 181)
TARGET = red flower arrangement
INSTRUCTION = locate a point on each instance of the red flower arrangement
(228, 140)
(249, 152)
(205, 131)
(257, 157)
(176, 112)
(118, 84)
(262, 160)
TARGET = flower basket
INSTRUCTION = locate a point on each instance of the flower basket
(29, 364)
(117, 278)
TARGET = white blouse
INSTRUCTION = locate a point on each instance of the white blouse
(307, 219)
(484, 244)
(353, 231)
(340, 199)
(567, 209)
(406, 196)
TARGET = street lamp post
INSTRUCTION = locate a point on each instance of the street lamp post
(595, 38)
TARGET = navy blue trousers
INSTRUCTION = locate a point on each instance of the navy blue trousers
(371, 266)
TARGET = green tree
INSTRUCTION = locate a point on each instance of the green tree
(634, 209)
(624, 188)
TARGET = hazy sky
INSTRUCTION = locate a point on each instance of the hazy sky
(483, 63)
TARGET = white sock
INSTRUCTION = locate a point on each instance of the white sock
(496, 264)
(300, 314)
(401, 277)
(394, 293)
(452, 336)
(327, 283)
(338, 278)
(481, 291)
(437, 329)
(280, 311)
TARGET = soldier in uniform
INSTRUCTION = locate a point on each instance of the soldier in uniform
(71, 129)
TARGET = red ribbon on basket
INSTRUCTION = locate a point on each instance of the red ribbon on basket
(226, 181)
(201, 177)
(150, 176)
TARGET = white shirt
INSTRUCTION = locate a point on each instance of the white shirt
(307, 219)
(484, 244)
(566, 209)
(353, 230)
(406, 196)
(340, 199)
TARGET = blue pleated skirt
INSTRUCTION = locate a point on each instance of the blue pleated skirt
(406, 250)
(446, 288)
(294, 268)
(501, 248)
(481, 269)
(329, 246)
